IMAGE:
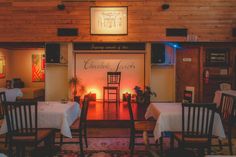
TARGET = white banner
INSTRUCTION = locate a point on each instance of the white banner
(91, 70)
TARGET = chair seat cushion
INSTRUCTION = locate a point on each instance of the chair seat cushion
(41, 135)
(144, 125)
(76, 124)
(178, 136)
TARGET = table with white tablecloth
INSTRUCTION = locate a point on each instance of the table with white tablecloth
(56, 115)
(12, 94)
(169, 118)
(218, 94)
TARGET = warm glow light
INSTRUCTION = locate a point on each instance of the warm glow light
(96, 91)
(127, 90)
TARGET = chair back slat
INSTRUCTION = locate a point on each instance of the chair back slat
(113, 78)
(2, 100)
(26, 119)
(21, 118)
(84, 112)
(197, 120)
(227, 107)
(130, 112)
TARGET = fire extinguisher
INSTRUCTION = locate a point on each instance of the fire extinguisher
(206, 77)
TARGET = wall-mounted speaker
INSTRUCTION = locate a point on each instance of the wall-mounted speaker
(67, 32)
(52, 53)
(234, 32)
(176, 32)
(158, 53)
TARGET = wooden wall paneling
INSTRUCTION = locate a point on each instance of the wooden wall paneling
(22, 20)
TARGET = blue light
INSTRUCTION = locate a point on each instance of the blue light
(174, 45)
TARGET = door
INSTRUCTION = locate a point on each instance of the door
(187, 72)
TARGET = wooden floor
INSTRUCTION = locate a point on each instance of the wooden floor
(110, 114)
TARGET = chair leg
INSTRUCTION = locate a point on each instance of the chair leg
(10, 150)
(6, 140)
(209, 150)
(85, 136)
(230, 143)
(161, 146)
(61, 140)
(201, 152)
(131, 143)
(172, 141)
(220, 144)
(81, 144)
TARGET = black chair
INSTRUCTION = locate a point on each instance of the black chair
(138, 127)
(227, 111)
(197, 124)
(111, 92)
(2, 100)
(79, 127)
(23, 128)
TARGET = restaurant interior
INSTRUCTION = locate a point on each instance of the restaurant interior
(117, 78)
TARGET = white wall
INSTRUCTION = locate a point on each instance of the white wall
(163, 77)
(21, 66)
(56, 82)
(163, 82)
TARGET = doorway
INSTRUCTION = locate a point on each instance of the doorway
(187, 72)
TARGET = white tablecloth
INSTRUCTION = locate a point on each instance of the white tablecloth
(12, 94)
(218, 94)
(169, 118)
(55, 115)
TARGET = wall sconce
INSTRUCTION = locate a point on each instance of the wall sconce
(165, 6)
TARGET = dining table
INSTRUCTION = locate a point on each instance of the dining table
(54, 114)
(169, 118)
(12, 93)
(218, 93)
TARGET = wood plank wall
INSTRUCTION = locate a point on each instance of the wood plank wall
(37, 21)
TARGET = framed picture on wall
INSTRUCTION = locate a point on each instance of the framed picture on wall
(217, 57)
(2, 67)
(38, 67)
(109, 20)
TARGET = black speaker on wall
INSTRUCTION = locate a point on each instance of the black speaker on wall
(158, 53)
(52, 53)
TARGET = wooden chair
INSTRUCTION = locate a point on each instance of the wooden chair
(2, 100)
(79, 127)
(22, 125)
(112, 90)
(141, 128)
(197, 124)
(227, 111)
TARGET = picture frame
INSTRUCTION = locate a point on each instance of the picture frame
(217, 57)
(2, 67)
(109, 20)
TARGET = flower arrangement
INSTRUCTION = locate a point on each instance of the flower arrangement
(76, 87)
(143, 96)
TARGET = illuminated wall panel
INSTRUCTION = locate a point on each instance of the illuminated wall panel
(91, 69)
